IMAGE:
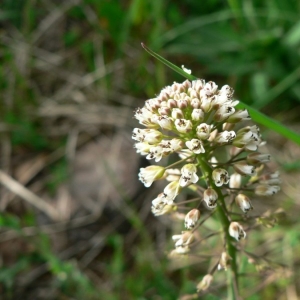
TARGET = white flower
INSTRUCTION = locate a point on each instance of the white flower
(220, 176)
(197, 114)
(143, 148)
(248, 137)
(172, 174)
(188, 175)
(243, 202)
(258, 158)
(155, 152)
(210, 197)
(183, 125)
(209, 89)
(195, 145)
(206, 102)
(195, 103)
(243, 168)
(225, 137)
(236, 231)
(270, 179)
(150, 136)
(225, 110)
(161, 207)
(266, 190)
(170, 146)
(204, 284)
(191, 218)
(184, 239)
(177, 113)
(149, 174)
(224, 261)
(239, 115)
(198, 84)
(235, 181)
(144, 116)
(203, 131)
(171, 191)
(165, 122)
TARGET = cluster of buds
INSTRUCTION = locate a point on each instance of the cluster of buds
(217, 158)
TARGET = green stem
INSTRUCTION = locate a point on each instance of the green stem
(221, 210)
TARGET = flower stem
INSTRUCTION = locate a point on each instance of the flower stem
(221, 210)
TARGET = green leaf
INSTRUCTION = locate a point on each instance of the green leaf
(271, 123)
(169, 64)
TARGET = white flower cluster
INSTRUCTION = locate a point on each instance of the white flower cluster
(201, 124)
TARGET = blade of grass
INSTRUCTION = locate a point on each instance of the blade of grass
(256, 115)
(271, 123)
(169, 64)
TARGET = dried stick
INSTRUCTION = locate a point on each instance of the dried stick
(21, 191)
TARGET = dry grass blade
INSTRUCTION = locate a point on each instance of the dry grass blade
(18, 189)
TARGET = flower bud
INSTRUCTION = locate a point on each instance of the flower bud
(258, 158)
(244, 169)
(224, 261)
(195, 103)
(177, 113)
(235, 181)
(266, 190)
(210, 197)
(182, 103)
(149, 174)
(191, 218)
(197, 114)
(204, 284)
(164, 110)
(243, 202)
(236, 231)
(171, 103)
(165, 122)
(271, 179)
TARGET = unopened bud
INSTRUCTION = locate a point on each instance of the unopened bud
(204, 284)
(236, 231)
(266, 190)
(258, 158)
(192, 218)
(224, 261)
(210, 197)
(235, 181)
(243, 168)
(243, 202)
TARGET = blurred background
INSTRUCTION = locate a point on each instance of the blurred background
(75, 221)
